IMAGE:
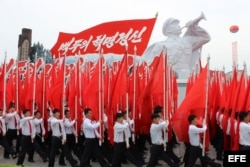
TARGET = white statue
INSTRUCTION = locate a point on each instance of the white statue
(183, 52)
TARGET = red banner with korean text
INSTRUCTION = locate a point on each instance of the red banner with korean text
(112, 37)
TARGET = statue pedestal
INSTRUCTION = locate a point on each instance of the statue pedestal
(182, 84)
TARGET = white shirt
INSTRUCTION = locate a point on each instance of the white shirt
(156, 132)
(90, 128)
(13, 120)
(49, 125)
(28, 127)
(194, 136)
(129, 128)
(244, 133)
(2, 126)
(57, 128)
(69, 126)
(39, 125)
(120, 134)
(228, 126)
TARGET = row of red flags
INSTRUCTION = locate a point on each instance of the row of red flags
(229, 94)
(109, 88)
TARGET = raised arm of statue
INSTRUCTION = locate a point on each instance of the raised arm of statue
(200, 35)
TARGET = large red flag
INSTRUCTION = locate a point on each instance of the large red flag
(111, 36)
(152, 94)
(194, 103)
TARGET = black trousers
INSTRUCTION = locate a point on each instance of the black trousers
(39, 147)
(56, 143)
(196, 152)
(11, 135)
(119, 153)
(157, 152)
(92, 148)
(244, 148)
(171, 153)
(4, 143)
(71, 145)
(26, 146)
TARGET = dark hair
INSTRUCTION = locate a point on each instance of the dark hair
(25, 111)
(155, 115)
(55, 110)
(119, 115)
(243, 115)
(236, 115)
(158, 109)
(86, 111)
(36, 112)
(191, 118)
(12, 104)
(66, 111)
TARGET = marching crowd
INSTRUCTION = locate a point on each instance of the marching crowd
(61, 140)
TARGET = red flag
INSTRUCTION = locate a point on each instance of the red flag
(111, 36)
(152, 95)
(194, 103)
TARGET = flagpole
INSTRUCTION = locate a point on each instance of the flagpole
(43, 93)
(34, 87)
(4, 85)
(127, 105)
(63, 91)
(76, 100)
(164, 92)
(206, 106)
(17, 84)
(134, 96)
(100, 93)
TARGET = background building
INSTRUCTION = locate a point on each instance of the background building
(24, 44)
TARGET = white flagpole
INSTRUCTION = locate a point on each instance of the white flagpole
(63, 91)
(34, 87)
(17, 84)
(43, 93)
(76, 127)
(134, 94)
(206, 106)
(100, 90)
(164, 92)
(4, 85)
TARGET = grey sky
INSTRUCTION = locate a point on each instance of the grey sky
(47, 18)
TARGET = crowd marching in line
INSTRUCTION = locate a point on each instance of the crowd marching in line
(61, 140)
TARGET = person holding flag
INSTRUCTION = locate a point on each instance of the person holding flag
(28, 135)
(244, 131)
(12, 120)
(91, 140)
(157, 139)
(58, 141)
(195, 149)
(3, 140)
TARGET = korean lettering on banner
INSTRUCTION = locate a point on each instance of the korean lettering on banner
(120, 38)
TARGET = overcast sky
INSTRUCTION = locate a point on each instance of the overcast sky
(47, 18)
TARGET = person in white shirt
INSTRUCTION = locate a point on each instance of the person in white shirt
(169, 146)
(157, 139)
(132, 154)
(244, 131)
(3, 140)
(12, 119)
(71, 133)
(219, 134)
(40, 130)
(195, 149)
(48, 126)
(121, 142)
(91, 140)
(58, 141)
(28, 135)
